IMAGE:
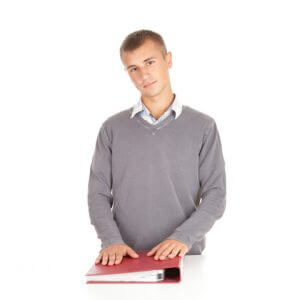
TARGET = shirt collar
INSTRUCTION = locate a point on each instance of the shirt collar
(176, 106)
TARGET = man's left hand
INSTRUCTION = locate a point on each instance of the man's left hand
(168, 248)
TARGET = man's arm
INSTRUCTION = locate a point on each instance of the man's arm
(100, 199)
(212, 190)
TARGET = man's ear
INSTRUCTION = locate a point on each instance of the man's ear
(168, 59)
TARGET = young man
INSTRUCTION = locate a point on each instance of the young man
(154, 162)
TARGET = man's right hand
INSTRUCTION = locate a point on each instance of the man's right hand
(114, 253)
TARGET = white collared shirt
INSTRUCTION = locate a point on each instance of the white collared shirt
(175, 106)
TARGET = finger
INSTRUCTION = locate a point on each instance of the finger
(105, 258)
(119, 258)
(112, 258)
(166, 251)
(132, 253)
(174, 252)
(153, 250)
(160, 250)
(99, 258)
(182, 252)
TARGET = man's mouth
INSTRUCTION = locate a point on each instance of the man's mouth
(149, 84)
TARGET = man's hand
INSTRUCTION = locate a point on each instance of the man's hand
(168, 248)
(114, 254)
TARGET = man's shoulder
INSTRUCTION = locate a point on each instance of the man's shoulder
(118, 118)
(197, 116)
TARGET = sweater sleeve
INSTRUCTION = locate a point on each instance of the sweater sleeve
(100, 198)
(212, 191)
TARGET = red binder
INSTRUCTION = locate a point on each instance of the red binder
(172, 268)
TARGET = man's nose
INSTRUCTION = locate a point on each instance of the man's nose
(144, 74)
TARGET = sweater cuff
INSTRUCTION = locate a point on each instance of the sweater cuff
(181, 238)
(112, 240)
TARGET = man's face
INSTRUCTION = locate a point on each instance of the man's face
(147, 68)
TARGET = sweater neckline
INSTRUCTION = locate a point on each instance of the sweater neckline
(162, 124)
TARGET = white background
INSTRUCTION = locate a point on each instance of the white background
(61, 77)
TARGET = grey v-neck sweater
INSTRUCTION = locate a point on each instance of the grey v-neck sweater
(152, 182)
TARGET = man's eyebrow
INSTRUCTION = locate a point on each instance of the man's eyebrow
(149, 58)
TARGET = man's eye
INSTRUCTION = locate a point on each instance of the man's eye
(132, 69)
(151, 62)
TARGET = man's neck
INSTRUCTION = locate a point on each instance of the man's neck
(159, 104)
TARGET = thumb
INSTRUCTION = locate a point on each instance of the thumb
(132, 253)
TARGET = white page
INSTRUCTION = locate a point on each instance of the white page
(152, 275)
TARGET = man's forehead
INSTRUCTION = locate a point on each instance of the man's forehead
(141, 54)
(133, 60)
(139, 60)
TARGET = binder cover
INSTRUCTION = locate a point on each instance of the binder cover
(172, 268)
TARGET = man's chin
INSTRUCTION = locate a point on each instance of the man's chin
(149, 93)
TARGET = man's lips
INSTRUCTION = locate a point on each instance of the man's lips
(147, 85)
